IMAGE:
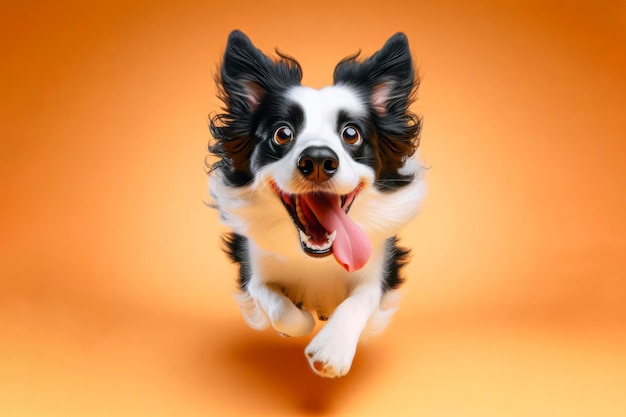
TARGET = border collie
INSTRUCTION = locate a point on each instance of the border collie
(315, 185)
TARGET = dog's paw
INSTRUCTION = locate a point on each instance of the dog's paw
(330, 354)
(292, 322)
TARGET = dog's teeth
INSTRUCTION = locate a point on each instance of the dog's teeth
(308, 241)
(305, 238)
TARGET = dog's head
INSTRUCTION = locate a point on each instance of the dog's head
(318, 151)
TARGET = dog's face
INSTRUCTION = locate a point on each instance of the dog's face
(316, 152)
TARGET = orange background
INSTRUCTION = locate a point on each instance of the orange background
(116, 300)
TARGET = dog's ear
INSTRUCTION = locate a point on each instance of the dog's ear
(247, 74)
(387, 77)
(387, 81)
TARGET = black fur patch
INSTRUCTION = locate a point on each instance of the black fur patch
(278, 112)
(236, 247)
(396, 258)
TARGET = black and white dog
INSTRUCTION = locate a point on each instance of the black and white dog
(303, 174)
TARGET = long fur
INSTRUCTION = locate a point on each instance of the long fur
(291, 161)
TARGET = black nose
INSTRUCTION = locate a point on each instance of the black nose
(318, 163)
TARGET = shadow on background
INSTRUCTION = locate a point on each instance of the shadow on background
(272, 373)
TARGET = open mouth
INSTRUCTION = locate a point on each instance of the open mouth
(324, 227)
(316, 240)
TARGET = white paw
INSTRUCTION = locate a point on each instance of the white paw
(291, 321)
(330, 353)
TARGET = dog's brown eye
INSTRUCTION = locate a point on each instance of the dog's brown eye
(283, 135)
(351, 135)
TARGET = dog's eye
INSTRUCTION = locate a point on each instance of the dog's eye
(283, 135)
(351, 135)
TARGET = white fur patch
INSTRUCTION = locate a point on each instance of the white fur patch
(255, 318)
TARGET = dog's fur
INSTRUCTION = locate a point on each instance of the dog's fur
(291, 161)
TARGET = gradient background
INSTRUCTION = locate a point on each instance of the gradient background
(116, 300)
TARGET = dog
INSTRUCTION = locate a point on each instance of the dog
(315, 186)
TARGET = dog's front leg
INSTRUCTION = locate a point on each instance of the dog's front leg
(285, 317)
(332, 350)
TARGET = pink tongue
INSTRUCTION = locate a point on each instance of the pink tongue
(352, 247)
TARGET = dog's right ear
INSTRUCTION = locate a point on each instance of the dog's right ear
(247, 74)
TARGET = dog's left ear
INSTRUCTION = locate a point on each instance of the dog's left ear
(387, 81)
(387, 76)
